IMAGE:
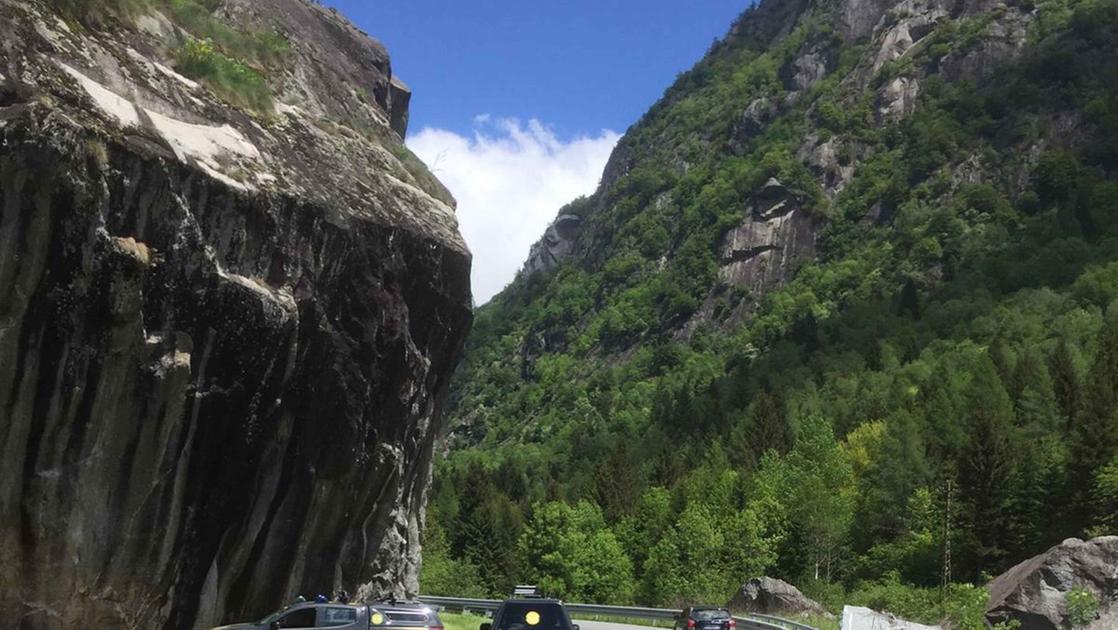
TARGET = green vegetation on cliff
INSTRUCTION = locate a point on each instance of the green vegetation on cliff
(231, 62)
(938, 372)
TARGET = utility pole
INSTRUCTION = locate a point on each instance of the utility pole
(946, 578)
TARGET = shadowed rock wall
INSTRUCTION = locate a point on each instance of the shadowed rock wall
(213, 395)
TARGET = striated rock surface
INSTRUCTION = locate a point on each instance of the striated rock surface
(860, 618)
(764, 250)
(225, 337)
(770, 596)
(1034, 593)
(555, 246)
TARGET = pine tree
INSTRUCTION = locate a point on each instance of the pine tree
(1065, 383)
(1038, 496)
(1105, 500)
(741, 442)
(892, 477)
(1002, 356)
(986, 468)
(1094, 440)
(898, 471)
(770, 429)
(617, 484)
(909, 302)
(1034, 400)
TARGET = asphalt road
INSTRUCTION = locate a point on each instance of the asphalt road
(603, 625)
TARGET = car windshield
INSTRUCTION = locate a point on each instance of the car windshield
(533, 616)
(710, 614)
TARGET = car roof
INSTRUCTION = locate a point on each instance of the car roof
(308, 604)
(533, 600)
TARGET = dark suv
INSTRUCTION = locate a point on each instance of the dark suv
(705, 618)
(531, 613)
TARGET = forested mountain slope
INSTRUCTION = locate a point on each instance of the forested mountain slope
(843, 302)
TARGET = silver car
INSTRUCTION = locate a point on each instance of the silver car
(331, 615)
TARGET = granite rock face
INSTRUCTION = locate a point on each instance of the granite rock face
(1034, 592)
(776, 234)
(860, 618)
(555, 246)
(225, 337)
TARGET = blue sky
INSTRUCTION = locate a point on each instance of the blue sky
(580, 65)
(517, 104)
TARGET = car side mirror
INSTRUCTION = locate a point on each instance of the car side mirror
(574, 626)
(274, 626)
(486, 626)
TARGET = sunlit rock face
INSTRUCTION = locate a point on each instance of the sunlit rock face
(776, 235)
(225, 337)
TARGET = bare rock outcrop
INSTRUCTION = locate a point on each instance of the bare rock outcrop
(860, 618)
(898, 98)
(807, 69)
(770, 596)
(225, 336)
(1034, 592)
(556, 245)
(776, 234)
(759, 113)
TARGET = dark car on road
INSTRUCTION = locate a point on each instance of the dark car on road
(345, 616)
(705, 618)
(402, 615)
(530, 613)
(312, 615)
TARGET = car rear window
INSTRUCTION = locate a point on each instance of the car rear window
(338, 616)
(710, 614)
(532, 616)
(409, 618)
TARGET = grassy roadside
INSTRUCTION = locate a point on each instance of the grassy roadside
(631, 621)
(461, 621)
(820, 622)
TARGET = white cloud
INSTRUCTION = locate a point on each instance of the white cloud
(510, 179)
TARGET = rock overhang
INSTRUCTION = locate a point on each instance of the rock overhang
(122, 88)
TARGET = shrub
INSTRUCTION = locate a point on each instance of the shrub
(229, 78)
(1057, 176)
(962, 606)
(196, 16)
(830, 116)
(988, 202)
(1082, 606)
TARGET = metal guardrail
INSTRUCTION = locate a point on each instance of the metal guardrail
(749, 622)
(785, 623)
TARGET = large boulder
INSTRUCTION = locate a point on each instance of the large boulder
(859, 618)
(226, 334)
(770, 596)
(1035, 591)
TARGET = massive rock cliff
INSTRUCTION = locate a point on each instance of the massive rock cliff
(225, 335)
